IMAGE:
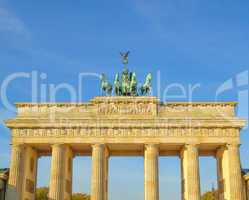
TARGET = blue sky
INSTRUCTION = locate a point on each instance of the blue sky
(186, 42)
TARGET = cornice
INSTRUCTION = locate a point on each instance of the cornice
(204, 103)
(126, 123)
(141, 112)
(121, 99)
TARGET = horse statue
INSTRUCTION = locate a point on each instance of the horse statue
(146, 87)
(117, 87)
(133, 84)
(125, 88)
(106, 87)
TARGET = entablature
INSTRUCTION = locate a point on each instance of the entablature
(126, 107)
(126, 123)
(126, 112)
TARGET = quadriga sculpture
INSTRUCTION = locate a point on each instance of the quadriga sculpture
(127, 86)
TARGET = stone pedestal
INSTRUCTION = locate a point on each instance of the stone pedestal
(190, 172)
(151, 188)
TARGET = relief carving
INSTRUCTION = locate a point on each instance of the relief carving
(131, 108)
(128, 132)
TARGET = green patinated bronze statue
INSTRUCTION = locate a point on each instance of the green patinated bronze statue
(128, 84)
(146, 87)
(106, 87)
(125, 57)
(133, 85)
(125, 87)
(117, 86)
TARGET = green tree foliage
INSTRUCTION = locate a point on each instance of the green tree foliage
(80, 196)
(42, 194)
(209, 196)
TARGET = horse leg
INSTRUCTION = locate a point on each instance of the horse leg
(142, 90)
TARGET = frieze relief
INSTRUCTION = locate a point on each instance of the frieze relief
(197, 109)
(127, 132)
(130, 108)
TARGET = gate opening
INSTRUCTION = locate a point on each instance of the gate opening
(126, 178)
(208, 175)
(169, 178)
(82, 175)
(43, 174)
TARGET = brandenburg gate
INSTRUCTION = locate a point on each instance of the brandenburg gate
(124, 126)
(132, 123)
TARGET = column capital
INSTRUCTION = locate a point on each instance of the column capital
(232, 145)
(98, 145)
(57, 144)
(17, 145)
(220, 150)
(189, 145)
(192, 144)
(151, 145)
(102, 146)
(224, 147)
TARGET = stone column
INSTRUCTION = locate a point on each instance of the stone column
(61, 172)
(190, 172)
(220, 178)
(98, 186)
(106, 173)
(235, 172)
(247, 189)
(151, 188)
(229, 164)
(14, 190)
(56, 189)
(68, 173)
(29, 173)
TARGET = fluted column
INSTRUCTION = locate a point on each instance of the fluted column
(151, 188)
(56, 191)
(220, 180)
(14, 190)
(68, 173)
(190, 172)
(106, 173)
(228, 160)
(98, 172)
(235, 172)
(247, 189)
(29, 174)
